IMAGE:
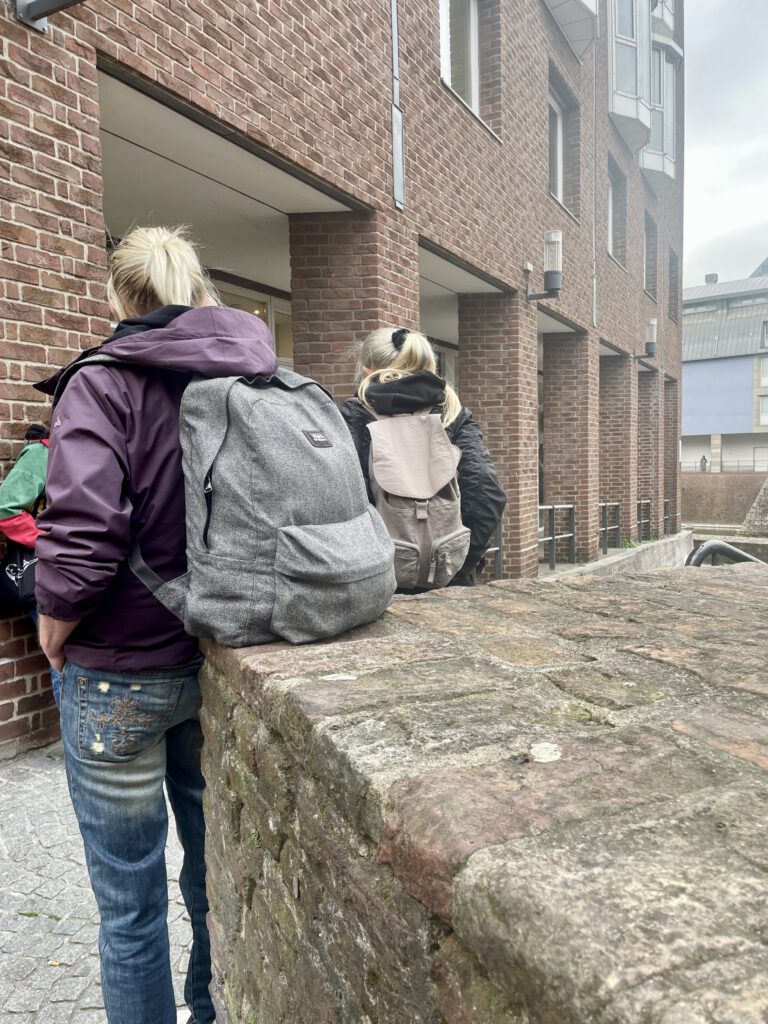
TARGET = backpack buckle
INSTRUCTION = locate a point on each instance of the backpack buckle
(422, 509)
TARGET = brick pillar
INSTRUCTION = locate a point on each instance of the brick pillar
(498, 381)
(618, 440)
(571, 432)
(350, 273)
(52, 271)
(650, 446)
(672, 452)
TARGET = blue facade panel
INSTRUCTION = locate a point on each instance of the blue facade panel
(718, 396)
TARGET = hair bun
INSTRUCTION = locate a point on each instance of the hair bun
(399, 336)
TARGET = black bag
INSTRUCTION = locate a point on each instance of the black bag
(17, 576)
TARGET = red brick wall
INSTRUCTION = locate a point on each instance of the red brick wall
(618, 440)
(350, 273)
(51, 286)
(571, 432)
(498, 372)
(650, 447)
(672, 452)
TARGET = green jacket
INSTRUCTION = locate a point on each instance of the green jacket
(19, 492)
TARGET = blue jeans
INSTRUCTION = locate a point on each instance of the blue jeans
(124, 735)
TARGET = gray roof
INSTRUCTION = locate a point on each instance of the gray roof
(723, 289)
(715, 328)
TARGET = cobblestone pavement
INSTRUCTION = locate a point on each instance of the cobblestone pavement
(49, 964)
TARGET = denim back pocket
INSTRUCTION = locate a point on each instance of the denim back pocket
(118, 718)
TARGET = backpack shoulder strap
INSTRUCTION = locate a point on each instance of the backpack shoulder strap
(98, 358)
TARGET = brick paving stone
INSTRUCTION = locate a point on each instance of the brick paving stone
(49, 964)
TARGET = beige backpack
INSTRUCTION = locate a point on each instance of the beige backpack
(416, 492)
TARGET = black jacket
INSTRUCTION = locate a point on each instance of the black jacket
(482, 499)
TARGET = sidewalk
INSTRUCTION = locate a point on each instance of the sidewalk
(49, 964)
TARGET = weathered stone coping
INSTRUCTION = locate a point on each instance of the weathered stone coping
(521, 803)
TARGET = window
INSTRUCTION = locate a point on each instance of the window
(764, 371)
(632, 37)
(564, 143)
(673, 298)
(630, 22)
(274, 311)
(555, 148)
(764, 410)
(663, 74)
(650, 238)
(617, 213)
(459, 49)
(764, 335)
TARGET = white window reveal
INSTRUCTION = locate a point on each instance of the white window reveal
(764, 371)
(764, 410)
(555, 148)
(459, 50)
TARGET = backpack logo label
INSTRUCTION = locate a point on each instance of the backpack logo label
(317, 439)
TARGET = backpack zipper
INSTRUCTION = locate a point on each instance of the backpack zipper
(208, 492)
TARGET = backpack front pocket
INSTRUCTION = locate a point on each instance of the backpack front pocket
(407, 564)
(447, 557)
(331, 577)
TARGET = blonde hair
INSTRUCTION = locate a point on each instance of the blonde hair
(384, 361)
(153, 267)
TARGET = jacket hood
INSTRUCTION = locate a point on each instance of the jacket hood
(414, 393)
(213, 341)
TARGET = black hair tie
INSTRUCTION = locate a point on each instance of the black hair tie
(398, 337)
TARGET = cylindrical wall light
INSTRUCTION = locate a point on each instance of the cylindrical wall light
(553, 261)
(651, 328)
(553, 268)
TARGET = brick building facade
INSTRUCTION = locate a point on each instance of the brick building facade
(272, 129)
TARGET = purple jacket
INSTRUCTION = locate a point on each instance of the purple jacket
(114, 476)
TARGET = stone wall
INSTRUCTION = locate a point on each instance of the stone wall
(756, 519)
(518, 804)
(719, 497)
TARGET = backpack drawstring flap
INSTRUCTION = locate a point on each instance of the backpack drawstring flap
(412, 456)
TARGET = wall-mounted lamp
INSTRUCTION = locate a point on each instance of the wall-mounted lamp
(553, 268)
(651, 327)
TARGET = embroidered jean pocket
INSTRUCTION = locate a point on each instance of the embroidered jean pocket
(118, 719)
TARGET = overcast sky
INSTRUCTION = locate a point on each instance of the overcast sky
(726, 169)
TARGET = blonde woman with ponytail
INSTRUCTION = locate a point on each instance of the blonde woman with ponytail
(130, 698)
(397, 374)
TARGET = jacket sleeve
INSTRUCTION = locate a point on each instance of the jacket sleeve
(482, 498)
(18, 493)
(357, 418)
(86, 529)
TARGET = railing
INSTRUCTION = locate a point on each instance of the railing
(643, 520)
(549, 535)
(667, 518)
(717, 549)
(755, 466)
(605, 529)
(741, 466)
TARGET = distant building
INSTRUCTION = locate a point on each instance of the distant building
(725, 375)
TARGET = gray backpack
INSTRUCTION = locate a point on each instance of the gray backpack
(281, 538)
(412, 472)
